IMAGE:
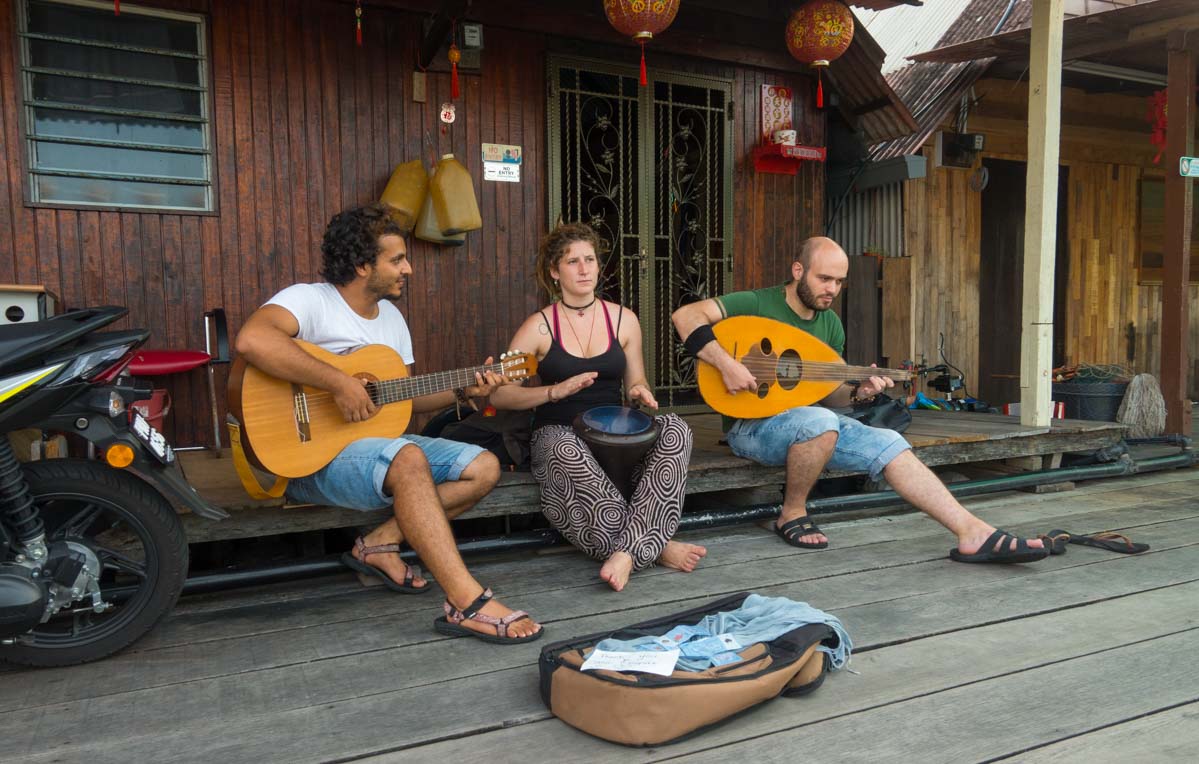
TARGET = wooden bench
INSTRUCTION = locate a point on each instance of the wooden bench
(938, 438)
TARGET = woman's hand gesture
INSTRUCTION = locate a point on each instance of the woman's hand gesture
(640, 393)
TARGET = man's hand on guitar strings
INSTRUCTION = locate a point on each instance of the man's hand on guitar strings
(354, 401)
(875, 385)
(485, 383)
(737, 377)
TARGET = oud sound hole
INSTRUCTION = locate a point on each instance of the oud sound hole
(763, 389)
(765, 345)
(790, 369)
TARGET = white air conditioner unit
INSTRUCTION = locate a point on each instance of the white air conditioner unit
(957, 150)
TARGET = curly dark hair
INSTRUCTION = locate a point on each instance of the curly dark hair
(554, 246)
(352, 239)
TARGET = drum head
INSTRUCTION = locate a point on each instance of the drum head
(616, 420)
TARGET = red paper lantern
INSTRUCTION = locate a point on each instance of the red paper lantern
(817, 34)
(641, 20)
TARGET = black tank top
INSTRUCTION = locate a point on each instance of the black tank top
(559, 365)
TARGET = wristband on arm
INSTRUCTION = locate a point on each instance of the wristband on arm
(699, 339)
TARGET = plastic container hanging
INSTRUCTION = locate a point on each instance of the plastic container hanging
(406, 192)
(453, 194)
(428, 229)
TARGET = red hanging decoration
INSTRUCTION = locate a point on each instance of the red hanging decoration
(641, 20)
(358, 22)
(116, 7)
(455, 56)
(817, 34)
(1157, 119)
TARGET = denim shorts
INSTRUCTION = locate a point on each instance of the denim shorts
(354, 479)
(860, 448)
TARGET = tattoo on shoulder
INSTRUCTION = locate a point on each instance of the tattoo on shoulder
(543, 328)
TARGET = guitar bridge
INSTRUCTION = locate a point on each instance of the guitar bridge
(300, 412)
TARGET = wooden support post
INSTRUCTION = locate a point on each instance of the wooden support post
(1040, 211)
(1180, 141)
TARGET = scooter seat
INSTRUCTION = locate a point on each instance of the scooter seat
(152, 363)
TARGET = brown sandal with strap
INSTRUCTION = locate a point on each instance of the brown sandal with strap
(411, 572)
(451, 622)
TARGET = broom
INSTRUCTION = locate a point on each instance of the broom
(1143, 408)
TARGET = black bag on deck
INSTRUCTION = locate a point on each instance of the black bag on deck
(881, 411)
(647, 709)
(507, 434)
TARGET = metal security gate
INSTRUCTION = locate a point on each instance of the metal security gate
(651, 170)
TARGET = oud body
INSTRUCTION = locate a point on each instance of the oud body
(792, 368)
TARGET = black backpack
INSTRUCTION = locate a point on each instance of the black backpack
(505, 434)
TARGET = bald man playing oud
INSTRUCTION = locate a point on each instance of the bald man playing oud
(807, 439)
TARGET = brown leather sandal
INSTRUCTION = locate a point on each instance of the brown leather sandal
(450, 623)
(411, 572)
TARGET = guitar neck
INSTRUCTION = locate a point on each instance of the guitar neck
(407, 388)
(832, 371)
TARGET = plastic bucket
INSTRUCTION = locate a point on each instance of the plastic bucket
(154, 408)
(1097, 401)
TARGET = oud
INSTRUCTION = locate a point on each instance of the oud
(792, 368)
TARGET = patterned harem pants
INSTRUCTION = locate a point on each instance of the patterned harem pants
(584, 506)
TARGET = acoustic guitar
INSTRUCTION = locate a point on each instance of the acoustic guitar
(792, 368)
(293, 430)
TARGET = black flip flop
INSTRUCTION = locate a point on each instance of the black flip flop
(793, 531)
(997, 549)
(1112, 542)
(1055, 541)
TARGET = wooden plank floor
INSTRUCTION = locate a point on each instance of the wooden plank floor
(1087, 656)
(938, 438)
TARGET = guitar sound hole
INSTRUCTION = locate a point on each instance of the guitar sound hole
(789, 369)
(765, 345)
(372, 389)
(763, 389)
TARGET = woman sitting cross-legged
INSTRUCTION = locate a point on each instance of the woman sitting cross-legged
(586, 348)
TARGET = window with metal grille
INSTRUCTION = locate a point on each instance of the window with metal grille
(116, 106)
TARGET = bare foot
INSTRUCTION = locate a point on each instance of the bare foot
(616, 570)
(522, 628)
(973, 541)
(682, 556)
(390, 564)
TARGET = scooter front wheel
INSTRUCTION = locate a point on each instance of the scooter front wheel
(137, 538)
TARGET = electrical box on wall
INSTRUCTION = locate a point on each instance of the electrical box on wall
(957, 150)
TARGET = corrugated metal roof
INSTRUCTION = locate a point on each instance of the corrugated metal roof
(882, 5)
(903, 32)
(931, 90)
(878, 112)
(1080, 32)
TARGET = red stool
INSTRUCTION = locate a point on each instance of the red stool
(158, 363)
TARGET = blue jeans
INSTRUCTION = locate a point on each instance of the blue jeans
(354, 478)
(859, 448)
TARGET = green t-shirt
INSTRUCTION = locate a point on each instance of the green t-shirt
(771, 302)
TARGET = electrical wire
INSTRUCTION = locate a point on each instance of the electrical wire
(941, 350)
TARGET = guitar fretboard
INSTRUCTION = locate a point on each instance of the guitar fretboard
(405, 388)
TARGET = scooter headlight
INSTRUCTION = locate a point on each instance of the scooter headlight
(116, 404)
(98, 363)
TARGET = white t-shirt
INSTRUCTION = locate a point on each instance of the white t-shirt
(326, 320)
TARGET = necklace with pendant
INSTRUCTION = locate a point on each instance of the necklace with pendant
(586, 350)
(579, 308)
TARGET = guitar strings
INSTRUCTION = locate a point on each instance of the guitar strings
(405, 388)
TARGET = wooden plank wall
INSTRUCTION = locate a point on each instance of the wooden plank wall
(305, 124)
(941, 235)
(942, 228)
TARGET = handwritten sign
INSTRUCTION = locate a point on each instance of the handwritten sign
(650, 662)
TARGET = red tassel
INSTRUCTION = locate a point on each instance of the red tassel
(819, 91)
(644, 81)
(358, 23)
(454, 80)
(116, 7)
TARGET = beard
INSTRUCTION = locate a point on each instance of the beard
(383, 289)
(807, 297)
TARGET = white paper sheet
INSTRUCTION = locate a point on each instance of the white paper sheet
(649, 661)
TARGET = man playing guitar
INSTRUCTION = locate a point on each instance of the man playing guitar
(425, 481)
(806, 439)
